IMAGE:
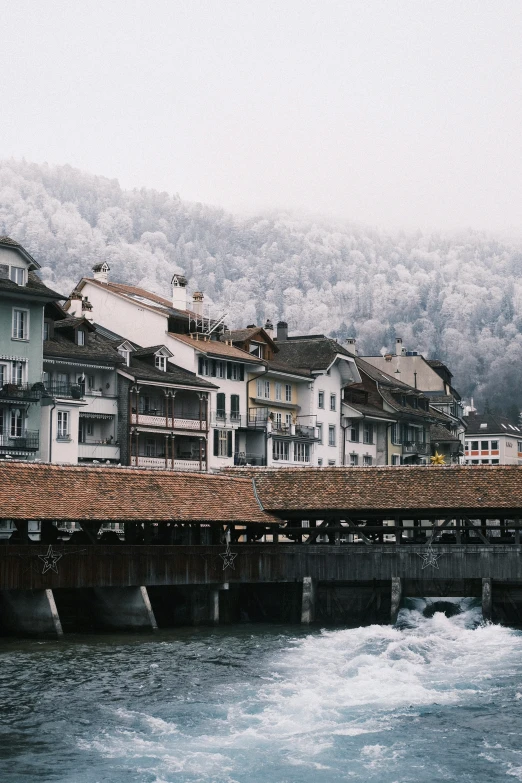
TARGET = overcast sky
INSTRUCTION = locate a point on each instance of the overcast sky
(398, 113)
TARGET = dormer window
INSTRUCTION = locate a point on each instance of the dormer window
(80, 337)
(160, 362)
(17, 275)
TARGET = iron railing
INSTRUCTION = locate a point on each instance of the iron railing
(415, 447)
(22, 391)
(28, 440)
(244, 458)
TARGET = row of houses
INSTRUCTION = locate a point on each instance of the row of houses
(117, 374)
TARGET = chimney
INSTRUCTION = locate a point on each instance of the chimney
(350, 345)
(269, 328)
(179, 292)
(87, 310)
(197, 302)
(398, 346)
(282, 331)
(101, 272)
(74, 305)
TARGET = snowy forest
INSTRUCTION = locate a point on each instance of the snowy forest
(456, 297)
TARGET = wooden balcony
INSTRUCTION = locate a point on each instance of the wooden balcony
(167, 422)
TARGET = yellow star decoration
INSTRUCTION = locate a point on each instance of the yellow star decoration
(437, 459)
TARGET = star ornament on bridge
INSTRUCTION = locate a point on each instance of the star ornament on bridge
(228, 558)
(50, 560)
(429, 557)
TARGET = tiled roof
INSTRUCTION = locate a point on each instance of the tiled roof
(71, 322)
(34, 287)
(309, 353)
(149, 351)
(387, 489)
(31, 491)
(240, 335)
(178, 375)
(370, 410)
(278, 366)
(217, 348)
(382, 377)
(440, 433)
(495, 425)
(153, 301)
(97, 348)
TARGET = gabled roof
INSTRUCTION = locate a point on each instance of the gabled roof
(138, 295)
(152, 351)
(72, 322)
(494, 425)
(34, 289)
(12, 243)
(250, 333)
(285, 368)
(370, 411)
(141, 371)
(54, 492)
(440, 433)
(312, 352)
(217, 349)
(97, 348)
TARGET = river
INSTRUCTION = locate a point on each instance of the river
(434, 699)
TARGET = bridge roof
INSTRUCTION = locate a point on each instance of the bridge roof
(389, 489)
(36, 491)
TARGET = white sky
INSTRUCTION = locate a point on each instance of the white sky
(383, 111)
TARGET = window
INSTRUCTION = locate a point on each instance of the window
(485, 461)
(396, 459)
(160, 362)
(205, 366)
(354, 432)
(320, 433)
(474, 462)
(89, 427)
(278, 421)
(484, 445)
(396, 434)
(16, 423)
(494, 445)
(279, 391)
(474, 445)
(332, 402)
(494, 461)
(80, 337)
(331, 463)
(288, 419)
(4, 374)
(367, 432)
(367, 461)
(320, 399)
(288, 392)
(320, 462)
(17, 275)
(234, 407)
(235, 372)
(17, 373)
(414, 402)
(301, 452)
(222, 443)
(20, 324)
(220, 369)
(255, 350)
(150, 447)
(46, 330)
(263, 389)
(280, 450)
(62, 432)
(221, 410)
(354, 460)
(331, 435)
(125, 353)
(90, 382)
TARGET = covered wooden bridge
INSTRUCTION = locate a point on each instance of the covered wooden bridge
(332, 544)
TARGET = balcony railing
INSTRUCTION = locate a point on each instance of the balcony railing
(21, 391)
(160, 463)
(224, 419)
(75, 391)
(29, 440)
(152, 418)
(244, 458)
(415, 447)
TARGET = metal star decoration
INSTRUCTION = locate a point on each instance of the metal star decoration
(50, 560)
(429, 557)
(438, 459)
(228, 558)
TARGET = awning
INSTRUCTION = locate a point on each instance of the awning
(87, 415)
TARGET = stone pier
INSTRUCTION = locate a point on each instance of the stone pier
(29, 613)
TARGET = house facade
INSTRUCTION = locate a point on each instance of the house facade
(492, 440)
(23, 297)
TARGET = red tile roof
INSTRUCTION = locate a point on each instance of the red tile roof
(35, 491)
(217, 348)
(390, 489)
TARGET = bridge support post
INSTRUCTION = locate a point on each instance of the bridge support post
(124, 608)
(308, 601)
(30, 613)
(214, 606)
(396, 596)
(487, 599)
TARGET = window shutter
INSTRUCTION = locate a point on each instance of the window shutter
(213, 368)
(221, 402)
(234, 404)
(229, 370)
(241, 372)
(229, 439)
(216, 443)
(200, 365)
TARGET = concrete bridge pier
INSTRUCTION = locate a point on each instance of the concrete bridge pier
(308, 601)
(30, 613)
(123, 608)
(396, 596)
(487, 600)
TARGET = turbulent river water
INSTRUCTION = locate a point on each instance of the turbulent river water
(434, 699)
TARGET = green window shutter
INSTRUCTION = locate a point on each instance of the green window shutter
(229, 442)
(216, 443)
(241, 372)
(221, 404)
(234, 404)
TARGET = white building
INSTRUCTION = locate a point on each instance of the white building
(492, 440)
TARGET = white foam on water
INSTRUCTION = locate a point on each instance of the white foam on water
(330, 688)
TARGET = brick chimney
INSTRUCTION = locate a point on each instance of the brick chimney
(179, 292)
(282, 331)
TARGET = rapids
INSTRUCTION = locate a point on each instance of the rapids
(437, 698)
